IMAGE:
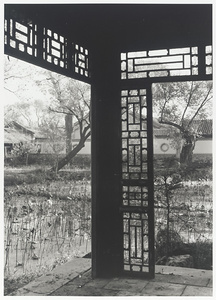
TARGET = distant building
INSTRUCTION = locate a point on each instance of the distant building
(162, 142)
(17, 134)
(14, 134)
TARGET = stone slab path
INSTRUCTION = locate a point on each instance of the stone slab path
(74, 279)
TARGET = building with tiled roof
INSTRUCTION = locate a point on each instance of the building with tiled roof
(162, 142)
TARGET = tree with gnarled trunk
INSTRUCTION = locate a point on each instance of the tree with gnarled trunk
(44, 95)
(182, 106)
(72, 99)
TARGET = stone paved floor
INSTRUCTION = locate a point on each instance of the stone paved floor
(74, 279)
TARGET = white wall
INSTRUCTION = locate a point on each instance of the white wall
(201, 147)
(86, 149)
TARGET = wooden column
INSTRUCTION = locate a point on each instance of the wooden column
(106, 162)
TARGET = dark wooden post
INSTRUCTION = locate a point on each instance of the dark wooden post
(106, 218)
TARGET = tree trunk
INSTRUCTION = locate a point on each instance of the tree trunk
(186, 154)
(69, 130)
(72, 153)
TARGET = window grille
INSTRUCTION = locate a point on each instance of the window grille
(22, 37)
(160, 63)
(54, 48)
(25, 39)
(81, 60)
(135, 184)
(208, 59)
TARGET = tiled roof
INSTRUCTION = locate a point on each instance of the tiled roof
(14, 124)
(204, 128)
(12, 136)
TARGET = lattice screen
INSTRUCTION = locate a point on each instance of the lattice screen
(160, 63)
(81, 60)
(21, 37)
(208, 59)
(46, 45)
(135, 200)
(54, 48)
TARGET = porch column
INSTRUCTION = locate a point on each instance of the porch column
(107, 252)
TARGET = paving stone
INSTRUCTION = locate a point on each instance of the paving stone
(46, 284)
(81, 279)
(23, 292)
(90, 291)
(182, 279)
(83, 291)
(183, 271)
(98, 282)
(74, 279)
(77, 265)
(210, 284)
(128, 293)
(163, 289)
(66, 290)
(134, 285)
(197, 291)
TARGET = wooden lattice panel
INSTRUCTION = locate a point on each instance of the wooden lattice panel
(135, 183)
(160, 63)
(25, 40)
(136, 242)
(208, 59)
(81, 60)
(134, 134)
(22, 37)
(54, 48)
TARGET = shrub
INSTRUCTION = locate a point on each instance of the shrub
(80, 161)
(175, 243)
(202, 254)
(28, 177)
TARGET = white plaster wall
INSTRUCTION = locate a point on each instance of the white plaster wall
(201, 147)
(86, 149)
(157, 146)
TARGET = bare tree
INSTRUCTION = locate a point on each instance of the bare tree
(71, 98)
(182, 106)
(55, 94)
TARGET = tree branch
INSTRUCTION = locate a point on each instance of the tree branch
(188, 103)
(206, 99)
(72, 153)
(172, 124)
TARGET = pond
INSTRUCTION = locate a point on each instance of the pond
(44, 231)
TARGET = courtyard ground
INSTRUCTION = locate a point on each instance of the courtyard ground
(74, 279)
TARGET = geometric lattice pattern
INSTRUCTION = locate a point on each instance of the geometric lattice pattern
(81, 60)
(135, 195)
(47, 46)
(160, 63)
(54, 48)
(21, 37)
(135, 180)
(136, 242)
(134, 134)
(208, 59)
